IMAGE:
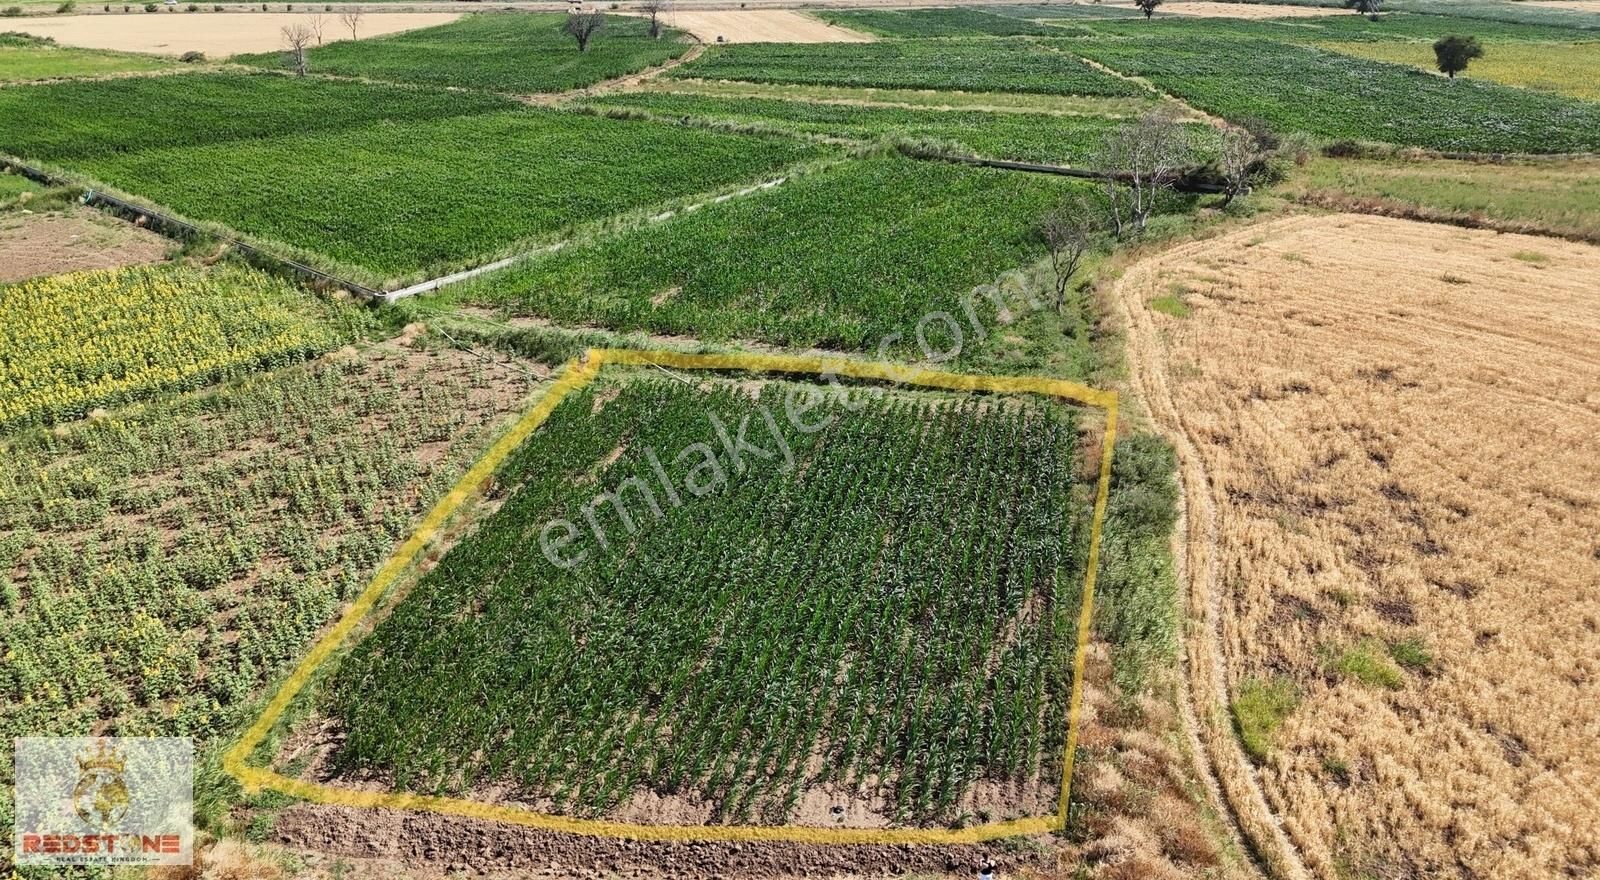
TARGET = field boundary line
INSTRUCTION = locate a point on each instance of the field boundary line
(575, 375)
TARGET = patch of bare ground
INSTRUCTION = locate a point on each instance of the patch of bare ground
(1390, 426)
(1250, 10)
(428, 844)
(216, 34)
(761, 26)
(71, 240)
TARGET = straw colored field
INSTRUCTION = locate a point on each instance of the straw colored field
(1393, 505)
(762, 26)
(1569, 68)
(216, 34)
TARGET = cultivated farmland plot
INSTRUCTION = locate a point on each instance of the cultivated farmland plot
(981, 66)
(841, 258)
(1337, 96)
(1035, 137)
(411, 197)
(875, 620)
(515, 52)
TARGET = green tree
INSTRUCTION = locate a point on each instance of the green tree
(1454, 52)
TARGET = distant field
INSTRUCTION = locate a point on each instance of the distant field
(987, 65)
(955, 21)
(23, 59)
(1557, 197)
(1337, 96)
(841, 258)
(100, 338)
(503, 52)
(1346, 27)
(1570, 69)
(1024, 136)
(63, 122)
(803, 642)
(419, 198)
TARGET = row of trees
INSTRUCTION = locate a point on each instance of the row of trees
(300, 36)
(1140, 164)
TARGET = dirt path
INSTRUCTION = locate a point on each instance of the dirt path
(1229, 776)
(621, 83)
(1192, 112)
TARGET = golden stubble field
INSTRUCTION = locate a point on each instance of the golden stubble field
(1390, 435)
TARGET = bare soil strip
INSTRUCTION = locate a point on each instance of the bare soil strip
(69, 241)
(1386, 432)
(216, 34)
(761, 26)
(1250, 10)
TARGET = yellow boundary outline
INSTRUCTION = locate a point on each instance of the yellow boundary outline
(575, 375)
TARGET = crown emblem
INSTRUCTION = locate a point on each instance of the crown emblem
(104, 757)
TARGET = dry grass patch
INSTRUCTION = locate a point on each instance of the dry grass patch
(1394, 504)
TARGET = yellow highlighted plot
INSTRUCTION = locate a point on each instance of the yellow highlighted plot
(575, 375)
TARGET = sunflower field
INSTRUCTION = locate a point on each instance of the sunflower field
(73, 342)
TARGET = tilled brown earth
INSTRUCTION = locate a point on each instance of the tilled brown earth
(452, 844)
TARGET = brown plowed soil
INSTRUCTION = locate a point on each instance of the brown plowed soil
(69, 241)
(449, 844)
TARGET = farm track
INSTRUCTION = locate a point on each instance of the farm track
(615, 84)
(1231, 783)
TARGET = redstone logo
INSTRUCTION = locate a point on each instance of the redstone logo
(104, 801)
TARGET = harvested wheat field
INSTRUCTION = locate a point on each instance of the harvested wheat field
(217, 34)
(762, 26)
(1388, 432)
(1250, 10)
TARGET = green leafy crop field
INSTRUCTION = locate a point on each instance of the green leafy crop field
(1003, 135)
(1338, 96)
(981, 65)
(952, 22)
(886, 610)
(503, 52)
(841, 258)
(25, 58)
(62, 122)
(421, 197)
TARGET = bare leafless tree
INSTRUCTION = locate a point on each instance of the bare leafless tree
(351, 18)
(1141, 160)
(318, 24)
(1239, 153)
(1069, 232)
(582, 26)
(655, 8)
(1148, 7)
(297, 37)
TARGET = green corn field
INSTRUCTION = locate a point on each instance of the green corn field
(889, 616)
